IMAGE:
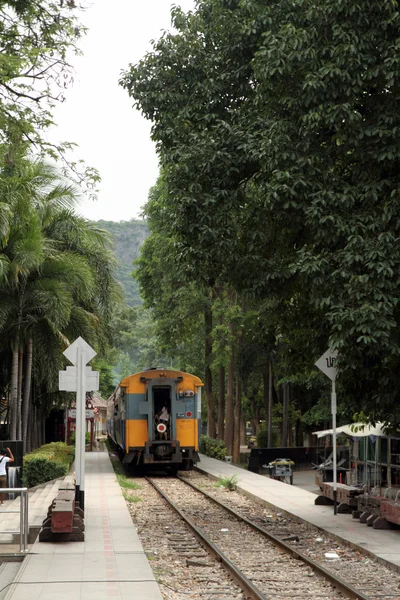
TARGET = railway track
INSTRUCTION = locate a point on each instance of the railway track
(252, 558)
(261, 564)
(362, 573)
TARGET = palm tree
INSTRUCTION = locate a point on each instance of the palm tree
(56, 278)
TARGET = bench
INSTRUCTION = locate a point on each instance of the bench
(65, 519)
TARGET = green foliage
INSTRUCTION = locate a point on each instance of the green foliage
(127, 483)
(56, 280)
(212, 448)
(72, 438)
(230, 483)
(46, 463)
(130, 497)
(38, 39)
(277, 128)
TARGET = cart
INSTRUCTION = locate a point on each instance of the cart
(281, 469)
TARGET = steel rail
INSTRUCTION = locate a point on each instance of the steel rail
(340, 584)
(242, 581)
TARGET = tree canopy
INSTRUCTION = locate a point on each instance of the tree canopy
(56, 282)
(277, 129)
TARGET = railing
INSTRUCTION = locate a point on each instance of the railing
(23, 516)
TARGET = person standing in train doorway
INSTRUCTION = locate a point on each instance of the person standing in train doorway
(3, 473)
(163, 417)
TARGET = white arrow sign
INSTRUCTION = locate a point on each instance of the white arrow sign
(79, 379)
(327, 364)
(72, 351)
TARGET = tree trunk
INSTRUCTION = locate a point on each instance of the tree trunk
(270, 403)
(229, 406)
(299, 433)
(285, 410)
(208, 320)
(243, 431)
(19, 395)
(290, 434)
(14, 395)
(254, 425)
(28, 445)
(238, 398)
(27, 391)
(221, 403)
(31, 434)
(265, 376)
(237, 421)
(38, 429)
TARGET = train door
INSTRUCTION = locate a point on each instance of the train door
(163, 424)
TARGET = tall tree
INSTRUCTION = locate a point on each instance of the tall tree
(57, 279)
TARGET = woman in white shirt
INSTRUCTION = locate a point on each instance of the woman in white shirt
(4, 459)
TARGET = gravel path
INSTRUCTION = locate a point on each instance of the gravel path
(183, 569)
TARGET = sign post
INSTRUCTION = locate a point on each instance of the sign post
(327, 364)
(79, 379)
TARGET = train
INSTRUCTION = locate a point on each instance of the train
(154, 419)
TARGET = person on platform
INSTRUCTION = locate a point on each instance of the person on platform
(163, 417)
(6, 456)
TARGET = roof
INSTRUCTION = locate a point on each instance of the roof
(357, 430)
(98, 401)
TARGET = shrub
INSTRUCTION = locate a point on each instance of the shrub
(262, 438)
(230, 483)
(72, 438)
(46, 463)
(213, 448)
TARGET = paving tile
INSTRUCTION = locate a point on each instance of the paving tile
(111, 552)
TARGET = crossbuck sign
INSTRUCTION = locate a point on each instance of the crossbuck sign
(80, 379)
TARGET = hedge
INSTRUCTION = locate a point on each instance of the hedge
(46, 463)
(213, 448)
(72, 437)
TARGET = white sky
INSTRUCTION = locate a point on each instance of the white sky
(98, 113)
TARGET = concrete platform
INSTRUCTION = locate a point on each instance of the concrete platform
(109, 564)
(297, 502)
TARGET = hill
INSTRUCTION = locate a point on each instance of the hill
(128, 236)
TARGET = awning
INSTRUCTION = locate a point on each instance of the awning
(356, 430)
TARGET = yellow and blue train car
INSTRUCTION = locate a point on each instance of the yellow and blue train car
(135, 426)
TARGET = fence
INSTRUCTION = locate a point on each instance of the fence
(23, 518)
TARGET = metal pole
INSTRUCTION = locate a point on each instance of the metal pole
(82, 392)
(334, 447)
(26, 520)
(21, 520)
(79, 426)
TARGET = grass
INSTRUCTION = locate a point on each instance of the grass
(117, 465)
(130, 498)
(230, 483)
(126, 483)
